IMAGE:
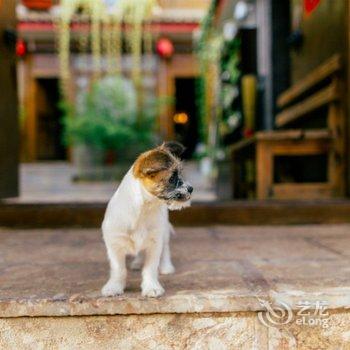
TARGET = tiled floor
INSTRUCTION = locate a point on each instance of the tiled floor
(217, 269)
(52, 182)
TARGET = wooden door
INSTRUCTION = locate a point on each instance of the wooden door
(8, 103)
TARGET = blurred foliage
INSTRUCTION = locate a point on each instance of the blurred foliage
(214, 51)
(231, 117)
(206, 55)
(209, 50)
(105, 117)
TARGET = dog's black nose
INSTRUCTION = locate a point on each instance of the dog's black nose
(189, 189)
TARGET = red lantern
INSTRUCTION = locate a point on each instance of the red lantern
(165, 48)
(311, 5)
(21, 48)
(42, 5)
(248, 133)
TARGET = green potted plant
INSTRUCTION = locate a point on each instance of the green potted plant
(105, 125)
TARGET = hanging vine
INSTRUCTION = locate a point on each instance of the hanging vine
(135, 14)
(114, 51)
(106, 19)
(209, 51)
(67, 11)
(96, 10)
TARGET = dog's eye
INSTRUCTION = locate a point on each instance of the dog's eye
(173, 179)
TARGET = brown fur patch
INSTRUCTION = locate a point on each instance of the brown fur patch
(154, 168)
(173, 147)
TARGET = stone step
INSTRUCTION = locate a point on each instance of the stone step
(80, 214)
(226, 278)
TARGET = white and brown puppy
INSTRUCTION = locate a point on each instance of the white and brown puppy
(136, 218)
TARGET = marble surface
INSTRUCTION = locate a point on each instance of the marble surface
(218, 269)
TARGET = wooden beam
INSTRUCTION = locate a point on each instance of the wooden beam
(347, 99)
(31, 119)
(46, 30)
(303, 190)
(291, 114)
(9, 139)
(299, 147)
(294, 134)
(242, 144)
(337, 156)
(330, 67)
(265, 170)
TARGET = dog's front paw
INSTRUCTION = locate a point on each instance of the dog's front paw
(111, 288)
(152, 289)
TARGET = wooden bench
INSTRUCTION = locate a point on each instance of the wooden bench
(254, 159)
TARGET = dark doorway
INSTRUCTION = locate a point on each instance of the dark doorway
(186, 114)
(50, 146)
(9, 135)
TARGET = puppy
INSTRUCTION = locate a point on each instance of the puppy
(137, 221)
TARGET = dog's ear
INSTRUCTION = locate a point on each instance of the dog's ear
(174, 147)
(151, 163)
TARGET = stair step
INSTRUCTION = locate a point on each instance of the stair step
(218, 269)
(271, 212)
(225, 276)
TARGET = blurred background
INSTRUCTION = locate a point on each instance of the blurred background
(257, 91)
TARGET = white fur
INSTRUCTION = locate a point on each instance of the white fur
(135, 222)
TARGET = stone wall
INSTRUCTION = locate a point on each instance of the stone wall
(171, 331)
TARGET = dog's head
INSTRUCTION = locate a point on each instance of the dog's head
(160, 172)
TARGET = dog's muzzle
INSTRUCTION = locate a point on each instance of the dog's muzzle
(180, 198)
(183, 193)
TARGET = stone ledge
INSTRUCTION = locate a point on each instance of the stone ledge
(219, 269)
(210, 302)
(242, 331)
(80, 214)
